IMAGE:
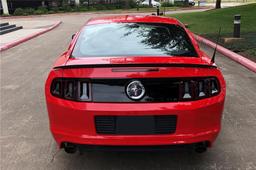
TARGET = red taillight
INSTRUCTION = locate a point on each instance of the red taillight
(187, 89)
(71, 89)
(198, 88)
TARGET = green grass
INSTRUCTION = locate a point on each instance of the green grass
(239, 1)
(210, 21)
(207, 24)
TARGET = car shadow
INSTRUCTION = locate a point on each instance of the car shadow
(174, 159)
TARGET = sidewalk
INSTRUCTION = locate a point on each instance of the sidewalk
(227, 4)
(31, 29)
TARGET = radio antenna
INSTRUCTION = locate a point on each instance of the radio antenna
(214, 53)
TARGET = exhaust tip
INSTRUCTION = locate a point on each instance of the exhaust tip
(69, 148)
(201, 147)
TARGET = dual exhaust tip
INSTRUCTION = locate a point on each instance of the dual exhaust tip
(71, 148)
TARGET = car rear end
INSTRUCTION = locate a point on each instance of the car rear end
(89, 103)
(106, 97)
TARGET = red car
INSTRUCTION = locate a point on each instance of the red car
(134, 82)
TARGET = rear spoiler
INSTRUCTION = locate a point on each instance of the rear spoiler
(134, 65)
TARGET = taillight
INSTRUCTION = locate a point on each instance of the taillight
(71, 89)
(188, 89)
(199, 88)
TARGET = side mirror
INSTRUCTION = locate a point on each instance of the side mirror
(73, 36)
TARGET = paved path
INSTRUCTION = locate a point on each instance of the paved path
(30, 27)
(227, 4)
(26, 142)
(187, 11)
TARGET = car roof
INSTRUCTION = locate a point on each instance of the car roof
(133, 18)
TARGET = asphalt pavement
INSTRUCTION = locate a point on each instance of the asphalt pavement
(26, 142)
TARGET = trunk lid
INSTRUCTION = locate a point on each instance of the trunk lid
(135, 61)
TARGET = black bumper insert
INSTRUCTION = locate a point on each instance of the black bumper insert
(136, 125)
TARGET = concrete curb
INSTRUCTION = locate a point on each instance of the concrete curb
(15, 43)
(232, 55)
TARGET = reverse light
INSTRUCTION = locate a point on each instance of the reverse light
(201, 89)
(187, 94)
(83, 92)
(214, 87)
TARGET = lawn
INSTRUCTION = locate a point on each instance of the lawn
(207, 24)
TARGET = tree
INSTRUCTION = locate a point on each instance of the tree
(218, 4)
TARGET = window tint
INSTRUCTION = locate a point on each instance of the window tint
(133, 39)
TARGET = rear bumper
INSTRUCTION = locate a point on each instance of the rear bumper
(73, 122)
(138, 140)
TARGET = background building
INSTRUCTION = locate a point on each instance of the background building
(13, 4)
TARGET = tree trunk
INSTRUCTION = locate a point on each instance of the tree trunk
(186, 3)
(126, 4)
(218, 4)
(5, 7)
(88, 5)
(77, 2)
(150, 3)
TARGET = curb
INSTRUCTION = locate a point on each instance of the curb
(230, 54)
(17, 42)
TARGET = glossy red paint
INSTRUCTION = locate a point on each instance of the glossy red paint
(73, 122)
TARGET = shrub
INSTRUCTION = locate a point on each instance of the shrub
(167, 4)
(180, 3)
(29, 11)
(82, 9)
(110, 7)
(5, 15)
(51, 12)
(66, 8)
(19, 11)
(126, 5)
(39, 12)
(132, 4)
(100, 7)
(43, 9)
(55, 9)
(144, 6)
(91, 9)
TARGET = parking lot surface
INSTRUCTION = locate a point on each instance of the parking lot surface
(26, 142)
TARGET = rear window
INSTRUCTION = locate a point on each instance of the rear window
(133, 39)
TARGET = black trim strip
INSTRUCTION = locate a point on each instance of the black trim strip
(135, 69)
(133, 65)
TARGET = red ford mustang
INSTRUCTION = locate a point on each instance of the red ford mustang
(134, 82)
